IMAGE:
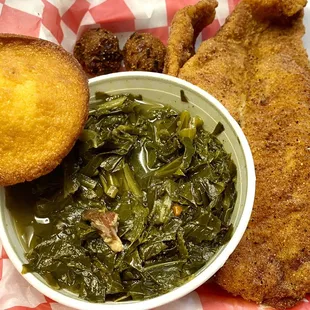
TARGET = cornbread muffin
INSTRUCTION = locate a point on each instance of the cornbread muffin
(43, 106)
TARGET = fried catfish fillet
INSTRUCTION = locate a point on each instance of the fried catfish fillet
(43, 107)
(258, 68)
(185, 27)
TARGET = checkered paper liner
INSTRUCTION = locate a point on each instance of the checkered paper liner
(62, 22)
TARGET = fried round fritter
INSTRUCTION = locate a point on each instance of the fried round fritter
(98, 52)
(144, 52)
(43, 107)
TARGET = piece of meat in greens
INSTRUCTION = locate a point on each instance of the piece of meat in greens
(141, 203)
(107, 225)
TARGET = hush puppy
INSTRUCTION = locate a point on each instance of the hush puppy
(144, 52)
(98, 52)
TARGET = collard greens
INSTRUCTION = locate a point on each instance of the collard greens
(167, 184)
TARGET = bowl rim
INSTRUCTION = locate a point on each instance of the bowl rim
(202, 276)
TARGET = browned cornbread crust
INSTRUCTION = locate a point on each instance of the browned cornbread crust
(43, 106)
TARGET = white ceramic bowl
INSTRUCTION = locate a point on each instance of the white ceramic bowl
(164, 89)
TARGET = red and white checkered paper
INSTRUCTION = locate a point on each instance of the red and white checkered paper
(62, 22)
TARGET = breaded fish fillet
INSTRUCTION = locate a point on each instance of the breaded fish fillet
(185, 27)
(43, 107)
(258, 68)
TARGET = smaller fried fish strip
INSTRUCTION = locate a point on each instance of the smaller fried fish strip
(185, 27)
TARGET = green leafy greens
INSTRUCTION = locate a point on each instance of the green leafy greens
(140, 204)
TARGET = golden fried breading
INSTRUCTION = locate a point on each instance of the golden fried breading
(276, 8)
(43, 107)
(260, 71)
(185, 27)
